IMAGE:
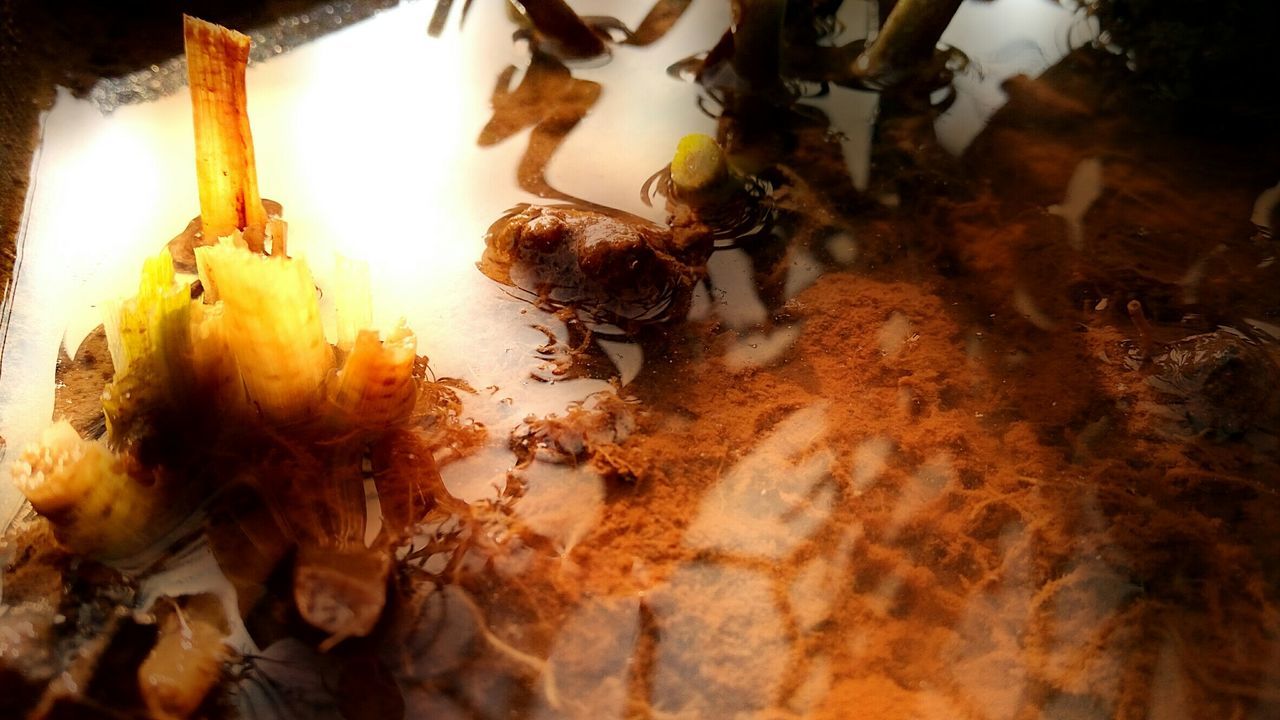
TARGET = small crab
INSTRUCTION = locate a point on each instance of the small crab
(611, 269)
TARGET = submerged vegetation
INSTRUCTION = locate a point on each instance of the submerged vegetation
(948, 446)
(226, 385)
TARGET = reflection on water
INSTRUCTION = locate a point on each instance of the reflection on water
(560, 503)
(1264, 210)
(735, 299)
(760, 349)
(910, 456)
(703, 667)
(774, 498)
(1084, 188)
(592, 657)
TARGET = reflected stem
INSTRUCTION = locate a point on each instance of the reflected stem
(907, 39)
(556, 20)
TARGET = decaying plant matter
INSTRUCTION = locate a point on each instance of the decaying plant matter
(229, 382)
(228, 177)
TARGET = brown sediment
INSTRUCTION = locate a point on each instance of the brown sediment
(983, 572)
(999, 520)
(929, 505)
(80, 379)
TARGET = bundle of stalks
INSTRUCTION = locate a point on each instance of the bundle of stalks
(232, 382)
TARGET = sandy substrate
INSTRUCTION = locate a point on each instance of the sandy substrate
(962, 482)
(964, 490)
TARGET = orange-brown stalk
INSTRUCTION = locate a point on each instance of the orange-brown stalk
(228, 179)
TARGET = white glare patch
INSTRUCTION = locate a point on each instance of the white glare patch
(803, 270)
(1190, 282)
(760, 349)
(700, 305)
(1264, 327)
(1003, 39)
(561, 503)
(852, 113)
(1083, 189)
(773, 499)
(870, 461)
(1027, 307)
(894, 334)
(617, 147)
(195, 571)
(627, 357)
(733, 290)
(1264, 209)
(843, 248)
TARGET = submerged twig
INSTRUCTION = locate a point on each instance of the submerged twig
(1144, 328)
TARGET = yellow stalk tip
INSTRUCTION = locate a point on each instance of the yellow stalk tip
(699, 164)
(225, 168)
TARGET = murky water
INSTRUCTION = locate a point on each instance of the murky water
(992, 438)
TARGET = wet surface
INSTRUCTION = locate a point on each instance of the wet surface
(988, 433)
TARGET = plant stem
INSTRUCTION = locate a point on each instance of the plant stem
(757, 41)
(558, 21)
(907, 38)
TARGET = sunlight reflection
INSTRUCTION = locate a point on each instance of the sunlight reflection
(592, 660)
(707, 646)
(775, 497)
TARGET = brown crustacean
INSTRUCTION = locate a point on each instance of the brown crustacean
(608, 267)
